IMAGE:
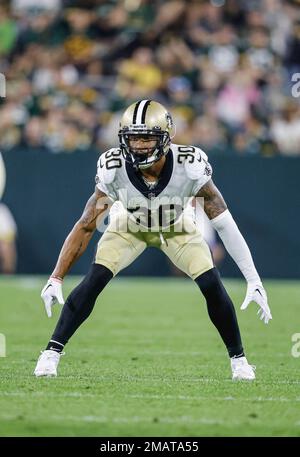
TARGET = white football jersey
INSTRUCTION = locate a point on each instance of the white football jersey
(185, 171)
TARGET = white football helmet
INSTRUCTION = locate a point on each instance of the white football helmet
(147, 119)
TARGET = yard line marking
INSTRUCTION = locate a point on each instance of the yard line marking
(166, 380)
(49, 394)
(150, 396)
(229, 398)
(132, 419)
(154, 378)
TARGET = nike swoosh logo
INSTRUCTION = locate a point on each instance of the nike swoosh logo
(257, 290)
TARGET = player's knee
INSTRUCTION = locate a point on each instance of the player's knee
(90, 287)
(98, 276)
(210, 283)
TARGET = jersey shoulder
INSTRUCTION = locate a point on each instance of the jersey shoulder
(193, 160)
(108, 164)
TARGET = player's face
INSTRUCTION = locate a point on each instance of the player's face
(143, 145)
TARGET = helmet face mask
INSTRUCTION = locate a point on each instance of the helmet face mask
(144, 133)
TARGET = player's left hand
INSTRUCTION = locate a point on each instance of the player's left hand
(257, 293)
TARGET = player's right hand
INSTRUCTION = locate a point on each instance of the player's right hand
(51, 294)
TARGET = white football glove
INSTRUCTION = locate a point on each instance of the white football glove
(257, 293)
(51, 294)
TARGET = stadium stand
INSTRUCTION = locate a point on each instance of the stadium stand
(71, 66)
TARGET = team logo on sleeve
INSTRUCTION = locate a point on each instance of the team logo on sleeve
(208, 170)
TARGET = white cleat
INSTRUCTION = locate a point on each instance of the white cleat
(241, 370)
(47, 363)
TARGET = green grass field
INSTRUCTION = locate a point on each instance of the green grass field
(148, 362)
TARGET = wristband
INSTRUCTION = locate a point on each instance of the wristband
(58, 278)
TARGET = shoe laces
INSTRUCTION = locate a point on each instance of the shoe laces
(242, 367)
(239, 365)
(51, 356)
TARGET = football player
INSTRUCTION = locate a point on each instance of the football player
(152, 182)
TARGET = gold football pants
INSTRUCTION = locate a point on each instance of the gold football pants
(123, 241)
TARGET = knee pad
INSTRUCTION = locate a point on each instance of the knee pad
(210, 283)
(98, 276)
(90, 287)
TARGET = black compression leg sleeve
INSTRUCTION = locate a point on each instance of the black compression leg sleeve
(221, 311)
(80, 304)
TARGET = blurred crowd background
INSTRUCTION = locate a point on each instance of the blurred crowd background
(223, 68)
